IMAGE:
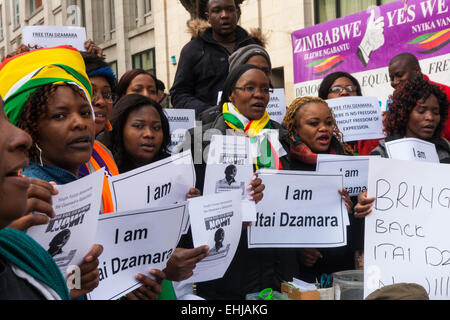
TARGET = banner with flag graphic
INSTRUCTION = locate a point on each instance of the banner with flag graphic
(363, 44)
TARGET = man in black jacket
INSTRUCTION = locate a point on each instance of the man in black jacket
(203, 65)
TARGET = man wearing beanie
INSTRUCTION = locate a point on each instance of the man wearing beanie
(203, 65)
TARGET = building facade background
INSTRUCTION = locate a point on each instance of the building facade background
(150, 34)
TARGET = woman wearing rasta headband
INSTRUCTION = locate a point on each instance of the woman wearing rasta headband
(48, 94)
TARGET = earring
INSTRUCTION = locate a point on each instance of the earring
(40, 155)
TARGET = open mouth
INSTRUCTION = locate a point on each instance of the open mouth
(259, 105)
(81, 142)
(15, 176)
(324, 140)
(100, 116)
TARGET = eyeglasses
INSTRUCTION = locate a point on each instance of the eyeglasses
(252, 90)
(339, 89)
(106, 95)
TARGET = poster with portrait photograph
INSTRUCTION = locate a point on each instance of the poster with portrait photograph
(216, 221)
(229, 168)
(70, 235)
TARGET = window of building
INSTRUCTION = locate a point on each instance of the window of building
(114, 67)
(326, 10)
(1, 23)
(34, 5)
(147, 6)
(145, 60)
(75, 10)
(16, 14)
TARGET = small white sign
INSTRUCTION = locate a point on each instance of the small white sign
(53, 36)
(358, 118)
(230, 168)
(70, 235)
(180, 121)
(216, 221)
(353, 169)
(135, 242)
(299, 210)
(412, 149)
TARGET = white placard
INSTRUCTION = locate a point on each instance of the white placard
(299, 210)
(70, 235)
(358, 118)
(216, 221)
(135, 242)
(276, 107)
(412, 149)
(353, 169)
(406, 236)
(163, 182)
(52, 36)
(180, 121)
(230, 168)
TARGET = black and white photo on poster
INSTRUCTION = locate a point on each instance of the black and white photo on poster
(230, 168)
(216, 221)
(70, 235)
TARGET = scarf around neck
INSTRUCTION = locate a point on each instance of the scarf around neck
(269, 157)
(28, 255)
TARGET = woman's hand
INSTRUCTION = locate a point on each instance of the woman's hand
(346, 197)
(39, 205)
(150, 289)
(193, 193)
(255, 189)
(91, 47)
(364, 206)
(89, 273)
(182, 262)
(309, 256)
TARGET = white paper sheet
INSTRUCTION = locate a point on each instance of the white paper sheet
(216, 221)
(412, 149)
(135, 242)
(406, 236)
(70, 235)
(52, 36)
(358, 118)
(299, 210)
(230, 168)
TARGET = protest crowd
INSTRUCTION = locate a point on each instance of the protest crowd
(65, 115)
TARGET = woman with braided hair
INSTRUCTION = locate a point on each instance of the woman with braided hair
(313, 130)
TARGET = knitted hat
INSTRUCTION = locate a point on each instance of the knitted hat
(242, 55)
(400, 291)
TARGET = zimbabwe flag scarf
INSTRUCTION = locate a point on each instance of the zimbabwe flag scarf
(269, 158)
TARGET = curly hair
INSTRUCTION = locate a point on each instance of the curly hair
(290, 123)
(36, 108)
(119, 116)
(405, 99)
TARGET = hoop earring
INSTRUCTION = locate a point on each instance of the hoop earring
(40, 155)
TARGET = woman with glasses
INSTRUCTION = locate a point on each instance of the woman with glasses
(343, 84)
(245, 97)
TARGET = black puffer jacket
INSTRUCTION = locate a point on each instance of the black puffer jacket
(202, 70)
(252, 270)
